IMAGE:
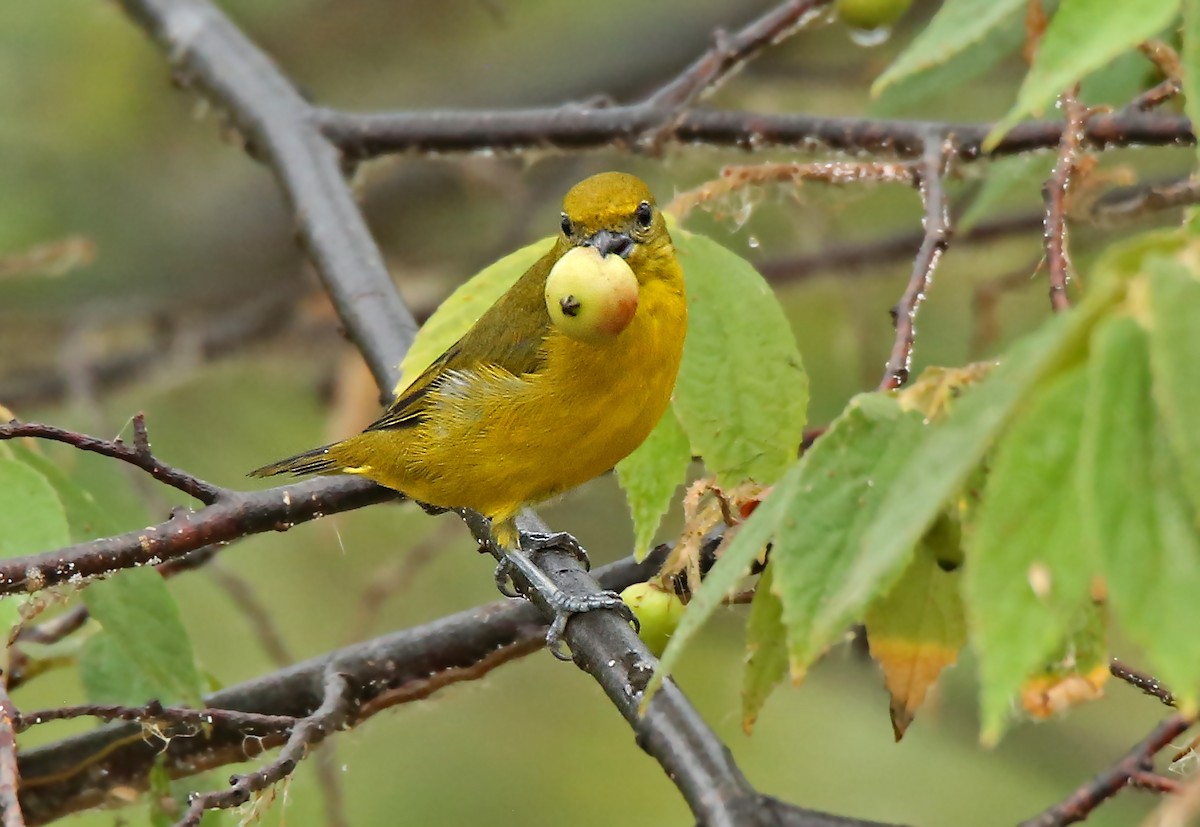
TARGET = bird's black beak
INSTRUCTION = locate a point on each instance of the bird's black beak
(607, 242)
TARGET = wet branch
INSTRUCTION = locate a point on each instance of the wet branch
(334, 712)
(1054, 193)
(937, 238)
(138, 454)
(729, 53)
(1111, 781)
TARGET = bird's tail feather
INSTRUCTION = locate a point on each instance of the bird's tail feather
(316, 461)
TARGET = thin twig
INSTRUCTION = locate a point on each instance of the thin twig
(729, 53)
(156, 714)
(1108, 783)
(138, 454)
(1145, 780)
(11, 814)
(937, 238)
(1155, 96)
(1054, 193)
(739, 177)
(855, 255)
(333, 713)
(1143, 200)
(1140, 680)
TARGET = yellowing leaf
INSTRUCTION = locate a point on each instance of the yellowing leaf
(1079, 672)
(915, 632)
(1047, 695)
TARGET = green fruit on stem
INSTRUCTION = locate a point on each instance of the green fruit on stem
(591, 297)
(658, 612)
(871, 14)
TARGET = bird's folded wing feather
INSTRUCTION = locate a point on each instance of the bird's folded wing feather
(508, 337)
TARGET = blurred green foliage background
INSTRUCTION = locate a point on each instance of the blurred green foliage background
(200, 311)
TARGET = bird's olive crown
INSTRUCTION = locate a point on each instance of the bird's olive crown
(613, 201)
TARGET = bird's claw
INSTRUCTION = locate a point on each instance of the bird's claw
(566, 606)
(534, 542)
(503, 576)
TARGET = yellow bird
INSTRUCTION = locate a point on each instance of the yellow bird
(520, 409)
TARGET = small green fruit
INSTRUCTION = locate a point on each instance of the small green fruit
(871, 14)
(591, 297)
(658, 612)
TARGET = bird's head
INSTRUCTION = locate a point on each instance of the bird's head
(615, 213)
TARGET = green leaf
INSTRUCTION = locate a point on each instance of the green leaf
(953, 448)
(742, 392)
(945, 79)
(917, 629)
(464, 306)
(1135, 512)
(824, 575)
(1003, 178)
(1174, 298)
(1190, 56)
(137, 611)
(650, 476)
(85, 518)
(1082, 36)
(766, 649)
(959, 25)
(1029, 568)
(32, 518)
(110, 676)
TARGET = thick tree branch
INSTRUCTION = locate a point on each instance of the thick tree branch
(237, 515)
(577, 128)
(208, 52)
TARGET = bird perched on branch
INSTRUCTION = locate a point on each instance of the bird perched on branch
(565, 375)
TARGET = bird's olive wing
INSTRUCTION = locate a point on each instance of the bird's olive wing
(508, 336)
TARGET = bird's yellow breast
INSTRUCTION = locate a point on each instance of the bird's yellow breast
(494, 442)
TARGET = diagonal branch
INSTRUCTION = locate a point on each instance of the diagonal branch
(208, 52)
(729, 53)
(1111, 781)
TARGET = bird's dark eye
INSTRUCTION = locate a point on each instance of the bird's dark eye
(644, 214)
(566, 225)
